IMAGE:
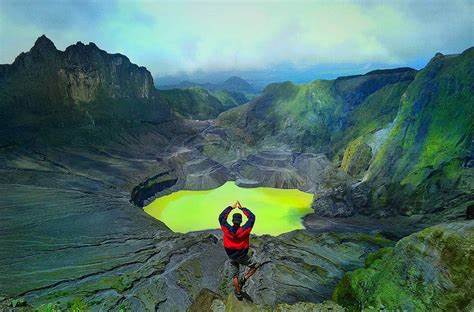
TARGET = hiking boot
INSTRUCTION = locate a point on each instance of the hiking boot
(238, 295)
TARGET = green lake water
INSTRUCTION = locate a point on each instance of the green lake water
(277, 210)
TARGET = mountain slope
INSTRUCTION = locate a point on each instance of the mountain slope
(196, 103)
(81, 92)
(233, 84)
(230, 93)
(411, 131)
(199, 103)
(426, 163)
(427, 271)
(237, 84)
(318, 116)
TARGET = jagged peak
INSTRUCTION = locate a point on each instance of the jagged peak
(81, 48)
(43, 43)
(90, 44)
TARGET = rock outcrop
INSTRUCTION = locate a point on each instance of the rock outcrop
(82, 94)
(80, 74)
(208, 300)
(427, 271)
(357, 157)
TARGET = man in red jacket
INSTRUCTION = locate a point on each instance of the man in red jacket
(236, 243)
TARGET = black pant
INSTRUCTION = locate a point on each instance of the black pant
(245, 260)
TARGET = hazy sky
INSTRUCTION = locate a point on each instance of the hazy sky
(173, 36)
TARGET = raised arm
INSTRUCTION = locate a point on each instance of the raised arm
(223, 216)
(250, 219)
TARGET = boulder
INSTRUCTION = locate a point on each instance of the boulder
(335, 202)
(356, 158)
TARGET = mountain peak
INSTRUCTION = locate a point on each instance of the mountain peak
(43, 43)
(235, 79)
(237, 84)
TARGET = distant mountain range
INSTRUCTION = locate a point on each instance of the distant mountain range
(260, 78)
(232, 84)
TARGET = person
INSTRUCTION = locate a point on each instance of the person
(236, 244)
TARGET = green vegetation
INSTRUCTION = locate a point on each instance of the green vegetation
(230, 99)
(199, 103)
(277, 210)
(196, 103)
(49, 307)
(76, 305)
(427, 271)
(412, 132)
(431, 136)
(322, 116)
(356, 158)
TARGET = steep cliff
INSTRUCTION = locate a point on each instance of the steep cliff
(426, 163)
(82, 88)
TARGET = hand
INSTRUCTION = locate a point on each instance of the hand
(235, 205)
(239, 205)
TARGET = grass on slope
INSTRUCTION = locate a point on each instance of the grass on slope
(432, 134)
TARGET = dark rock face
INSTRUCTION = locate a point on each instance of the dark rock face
(335, 202)
(470, 212)
(360, 196)
(81, 71)
(152, 186)
(82, 94)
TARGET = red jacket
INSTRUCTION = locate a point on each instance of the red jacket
(236, 238)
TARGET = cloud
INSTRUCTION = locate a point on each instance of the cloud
(175, 36)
